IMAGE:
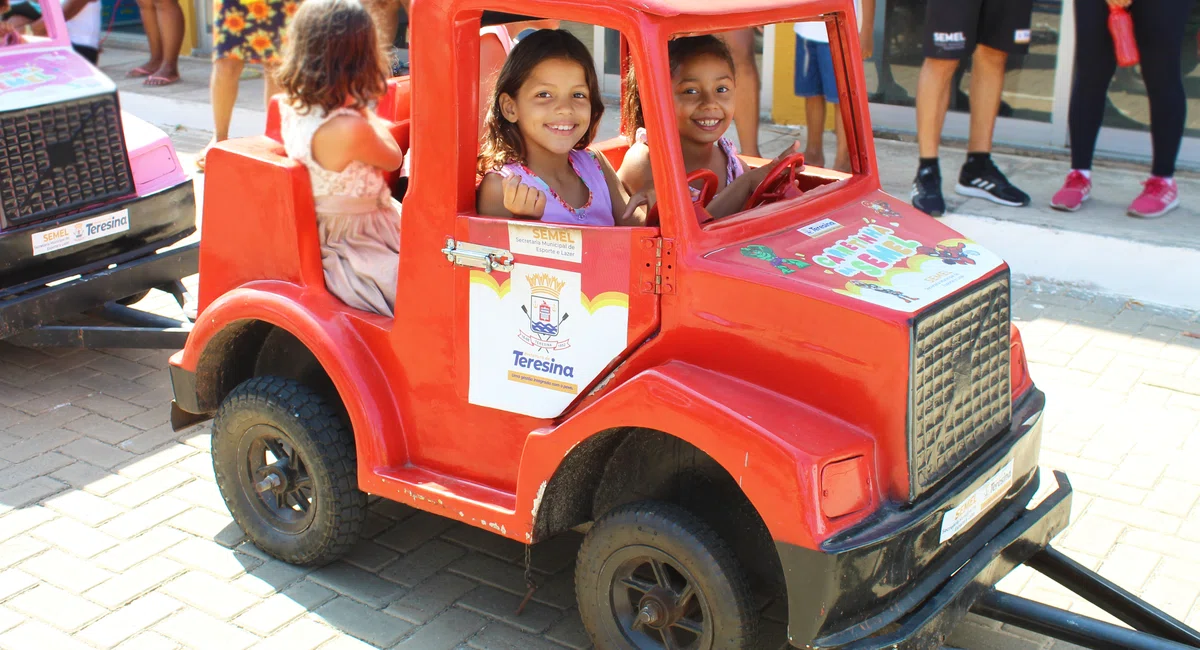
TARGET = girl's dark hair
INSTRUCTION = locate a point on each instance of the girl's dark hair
(502, 141)
(678, 51)
(332, 54)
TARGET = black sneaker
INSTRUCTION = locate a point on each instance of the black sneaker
(989, 183)
(927, 192)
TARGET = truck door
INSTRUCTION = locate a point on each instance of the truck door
(556, 308)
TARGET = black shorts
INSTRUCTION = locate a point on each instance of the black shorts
(24, 10)
(90, 53)
(954, 27)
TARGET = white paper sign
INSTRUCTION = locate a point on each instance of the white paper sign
(946, 268)
(79, 232)
(982, 499)
(537, 340)
(818, 228)
(542, 241)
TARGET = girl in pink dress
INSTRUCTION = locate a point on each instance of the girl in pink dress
(331, 72)
(535, 162)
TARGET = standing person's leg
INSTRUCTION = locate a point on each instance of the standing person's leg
(829, 87)
(950, 27)
(1004, 29)
(384, 13)
(170, 25)
(745, 112)
(271, 85)
(1159, 28)
(806, 83)
(987, 84)
(814, 127)
(223, 92)
(1089, 87)
(153, 39)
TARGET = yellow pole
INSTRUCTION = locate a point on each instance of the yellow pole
(786, 107)
(189, 26)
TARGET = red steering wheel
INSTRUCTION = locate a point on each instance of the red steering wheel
(707, 191)
(776, 185)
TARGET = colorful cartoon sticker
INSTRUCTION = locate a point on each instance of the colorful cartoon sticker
(928, 275)
(882, 209)
(957, 254)
(784, 264)
(870, 252)
(875, 287)
(28, 75)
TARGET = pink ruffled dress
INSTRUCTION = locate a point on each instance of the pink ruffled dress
(358, 221)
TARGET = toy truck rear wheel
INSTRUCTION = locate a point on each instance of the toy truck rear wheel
(285, 464)
(653, 575)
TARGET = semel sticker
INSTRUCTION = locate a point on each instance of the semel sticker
(564, 244)
(79, 232)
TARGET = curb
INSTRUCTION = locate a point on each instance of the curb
(1148, 272)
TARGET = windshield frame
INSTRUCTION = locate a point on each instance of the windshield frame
(667, 167)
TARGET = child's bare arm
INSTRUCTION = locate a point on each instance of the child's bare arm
(635, 169)
(627, 211)
(349, 138)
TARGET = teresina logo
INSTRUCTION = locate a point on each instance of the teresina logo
(116, 222)
(522, 360)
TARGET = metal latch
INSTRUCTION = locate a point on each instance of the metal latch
(479, 257)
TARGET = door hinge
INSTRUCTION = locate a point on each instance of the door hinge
(480, 257)
(658, 265)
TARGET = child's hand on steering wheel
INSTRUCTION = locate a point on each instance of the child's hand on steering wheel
(757, 175)
(522, 200)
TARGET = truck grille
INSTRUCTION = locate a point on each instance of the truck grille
(960, 390)
(59, 158)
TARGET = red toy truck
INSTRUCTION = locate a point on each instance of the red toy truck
(821, 396)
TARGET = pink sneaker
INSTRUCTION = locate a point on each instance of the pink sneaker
(1074, 192)
(1159, 196)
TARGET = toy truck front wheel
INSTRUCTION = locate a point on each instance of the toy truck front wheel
(653, 575)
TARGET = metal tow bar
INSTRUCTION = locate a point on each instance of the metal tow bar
(1153, 629)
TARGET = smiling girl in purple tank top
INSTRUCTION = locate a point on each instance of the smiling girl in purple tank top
(535, 162)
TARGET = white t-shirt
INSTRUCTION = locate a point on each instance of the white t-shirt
(817, 31)
(84, 28)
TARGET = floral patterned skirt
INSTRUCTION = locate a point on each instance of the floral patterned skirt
(251, 30)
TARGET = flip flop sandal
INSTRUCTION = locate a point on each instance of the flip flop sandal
(139, 72)
(156, 81)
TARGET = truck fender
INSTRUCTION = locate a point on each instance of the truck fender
(773, 446)
(341, 352)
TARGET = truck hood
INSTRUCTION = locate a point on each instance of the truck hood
(879, 250)
(31, 77)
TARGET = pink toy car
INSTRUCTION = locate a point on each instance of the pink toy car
(86, 190)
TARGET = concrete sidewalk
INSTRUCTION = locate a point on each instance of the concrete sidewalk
(1098, 248)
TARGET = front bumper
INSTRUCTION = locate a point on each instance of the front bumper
(156, 221)
(888, 582)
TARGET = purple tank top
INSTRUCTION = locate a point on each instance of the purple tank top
(598, 209)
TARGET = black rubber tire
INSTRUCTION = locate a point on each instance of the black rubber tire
(720, 580)
(326, 446)
(134, 299)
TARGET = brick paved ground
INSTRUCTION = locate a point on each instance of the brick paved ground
(113, 534)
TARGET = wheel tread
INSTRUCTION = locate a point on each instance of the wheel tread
(675, 523)
(335, 444)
